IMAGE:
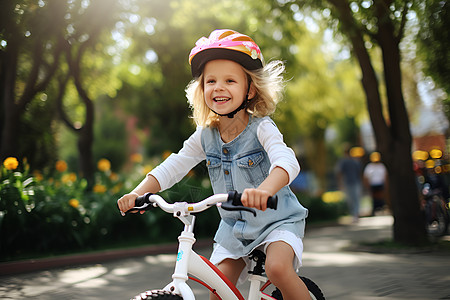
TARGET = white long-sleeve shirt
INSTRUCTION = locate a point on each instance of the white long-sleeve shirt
(177, 165)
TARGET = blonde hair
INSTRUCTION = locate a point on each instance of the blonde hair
(268, 83)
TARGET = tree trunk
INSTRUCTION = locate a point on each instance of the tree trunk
(393, 136)
(14, 105)
(86, 161)
(409, 224)
(86, 132)
(11, 112)
(10, 135)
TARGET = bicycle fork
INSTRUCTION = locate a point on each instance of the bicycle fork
(189, 262)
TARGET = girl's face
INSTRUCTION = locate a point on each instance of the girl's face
(225, 85)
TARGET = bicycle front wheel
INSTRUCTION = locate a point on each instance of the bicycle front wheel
(314, 290)
(157, 294)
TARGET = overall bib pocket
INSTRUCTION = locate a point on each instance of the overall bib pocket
(251, 168)
(214, 165)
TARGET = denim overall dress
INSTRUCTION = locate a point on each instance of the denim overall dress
(240, 164)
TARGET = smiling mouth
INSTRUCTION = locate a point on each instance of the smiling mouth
(221, 99)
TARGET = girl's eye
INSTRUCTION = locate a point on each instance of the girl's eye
(230, 80)
(210, 81)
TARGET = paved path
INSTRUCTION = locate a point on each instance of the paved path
(331, 259)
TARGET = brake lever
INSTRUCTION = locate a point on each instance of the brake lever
(230, 207)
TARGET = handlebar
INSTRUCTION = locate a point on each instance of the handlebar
(230, 201)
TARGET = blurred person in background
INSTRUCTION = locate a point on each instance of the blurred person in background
(375, 180)
(348, 172)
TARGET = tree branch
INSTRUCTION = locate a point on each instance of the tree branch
(369, 79)
(62, 83)
(29, 91)
(401, 29)
(59, 48)
(33, 86)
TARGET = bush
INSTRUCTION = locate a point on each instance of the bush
(49, 214)
(329, 207)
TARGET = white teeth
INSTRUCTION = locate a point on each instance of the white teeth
(220, 99)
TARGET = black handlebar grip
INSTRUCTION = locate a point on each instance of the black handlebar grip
(272, 202)
(141, 200)
(235, 197)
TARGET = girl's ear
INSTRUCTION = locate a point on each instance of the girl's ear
(251, 91)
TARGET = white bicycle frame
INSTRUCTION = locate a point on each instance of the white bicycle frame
(189, 262)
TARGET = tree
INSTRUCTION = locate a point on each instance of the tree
(162, 36)
(314, 100)
(434, 43)
(367, 24)
(87, 24)
(30, 52)
(56, 49)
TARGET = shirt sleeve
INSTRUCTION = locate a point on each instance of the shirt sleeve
(280, 155)
(177, 165)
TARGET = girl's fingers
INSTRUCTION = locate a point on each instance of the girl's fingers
(126, 202)
(255, 198)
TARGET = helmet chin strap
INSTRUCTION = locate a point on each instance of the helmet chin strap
(241, 107)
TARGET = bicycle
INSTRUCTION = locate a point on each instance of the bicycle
(199, 268)
(436, 211)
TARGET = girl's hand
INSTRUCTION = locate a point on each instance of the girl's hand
(255, 198)
(126, 202)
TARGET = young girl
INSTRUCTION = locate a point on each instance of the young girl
(232, 94)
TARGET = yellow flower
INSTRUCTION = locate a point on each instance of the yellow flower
(146, 169)
(113, 176)
(11, 163)
(61, 166)
(136, 158)
(116, 189)
(74, 203)
(104, 165)
(99, 189)
(69, 178)
(73, 177)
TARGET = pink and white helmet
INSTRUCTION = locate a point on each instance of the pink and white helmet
(225, 44)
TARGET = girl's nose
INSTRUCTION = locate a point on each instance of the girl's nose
(218, 87)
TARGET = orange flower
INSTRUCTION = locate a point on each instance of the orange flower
(104, 165)
(61, 166)
(136, 158)
(99, 189)
(38, 175)
(74, 203)
(11, 163)
(113, 176)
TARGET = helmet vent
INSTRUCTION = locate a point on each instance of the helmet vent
(226, 33)
(243, 39)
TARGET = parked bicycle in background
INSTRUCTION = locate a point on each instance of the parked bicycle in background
(434, 183)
